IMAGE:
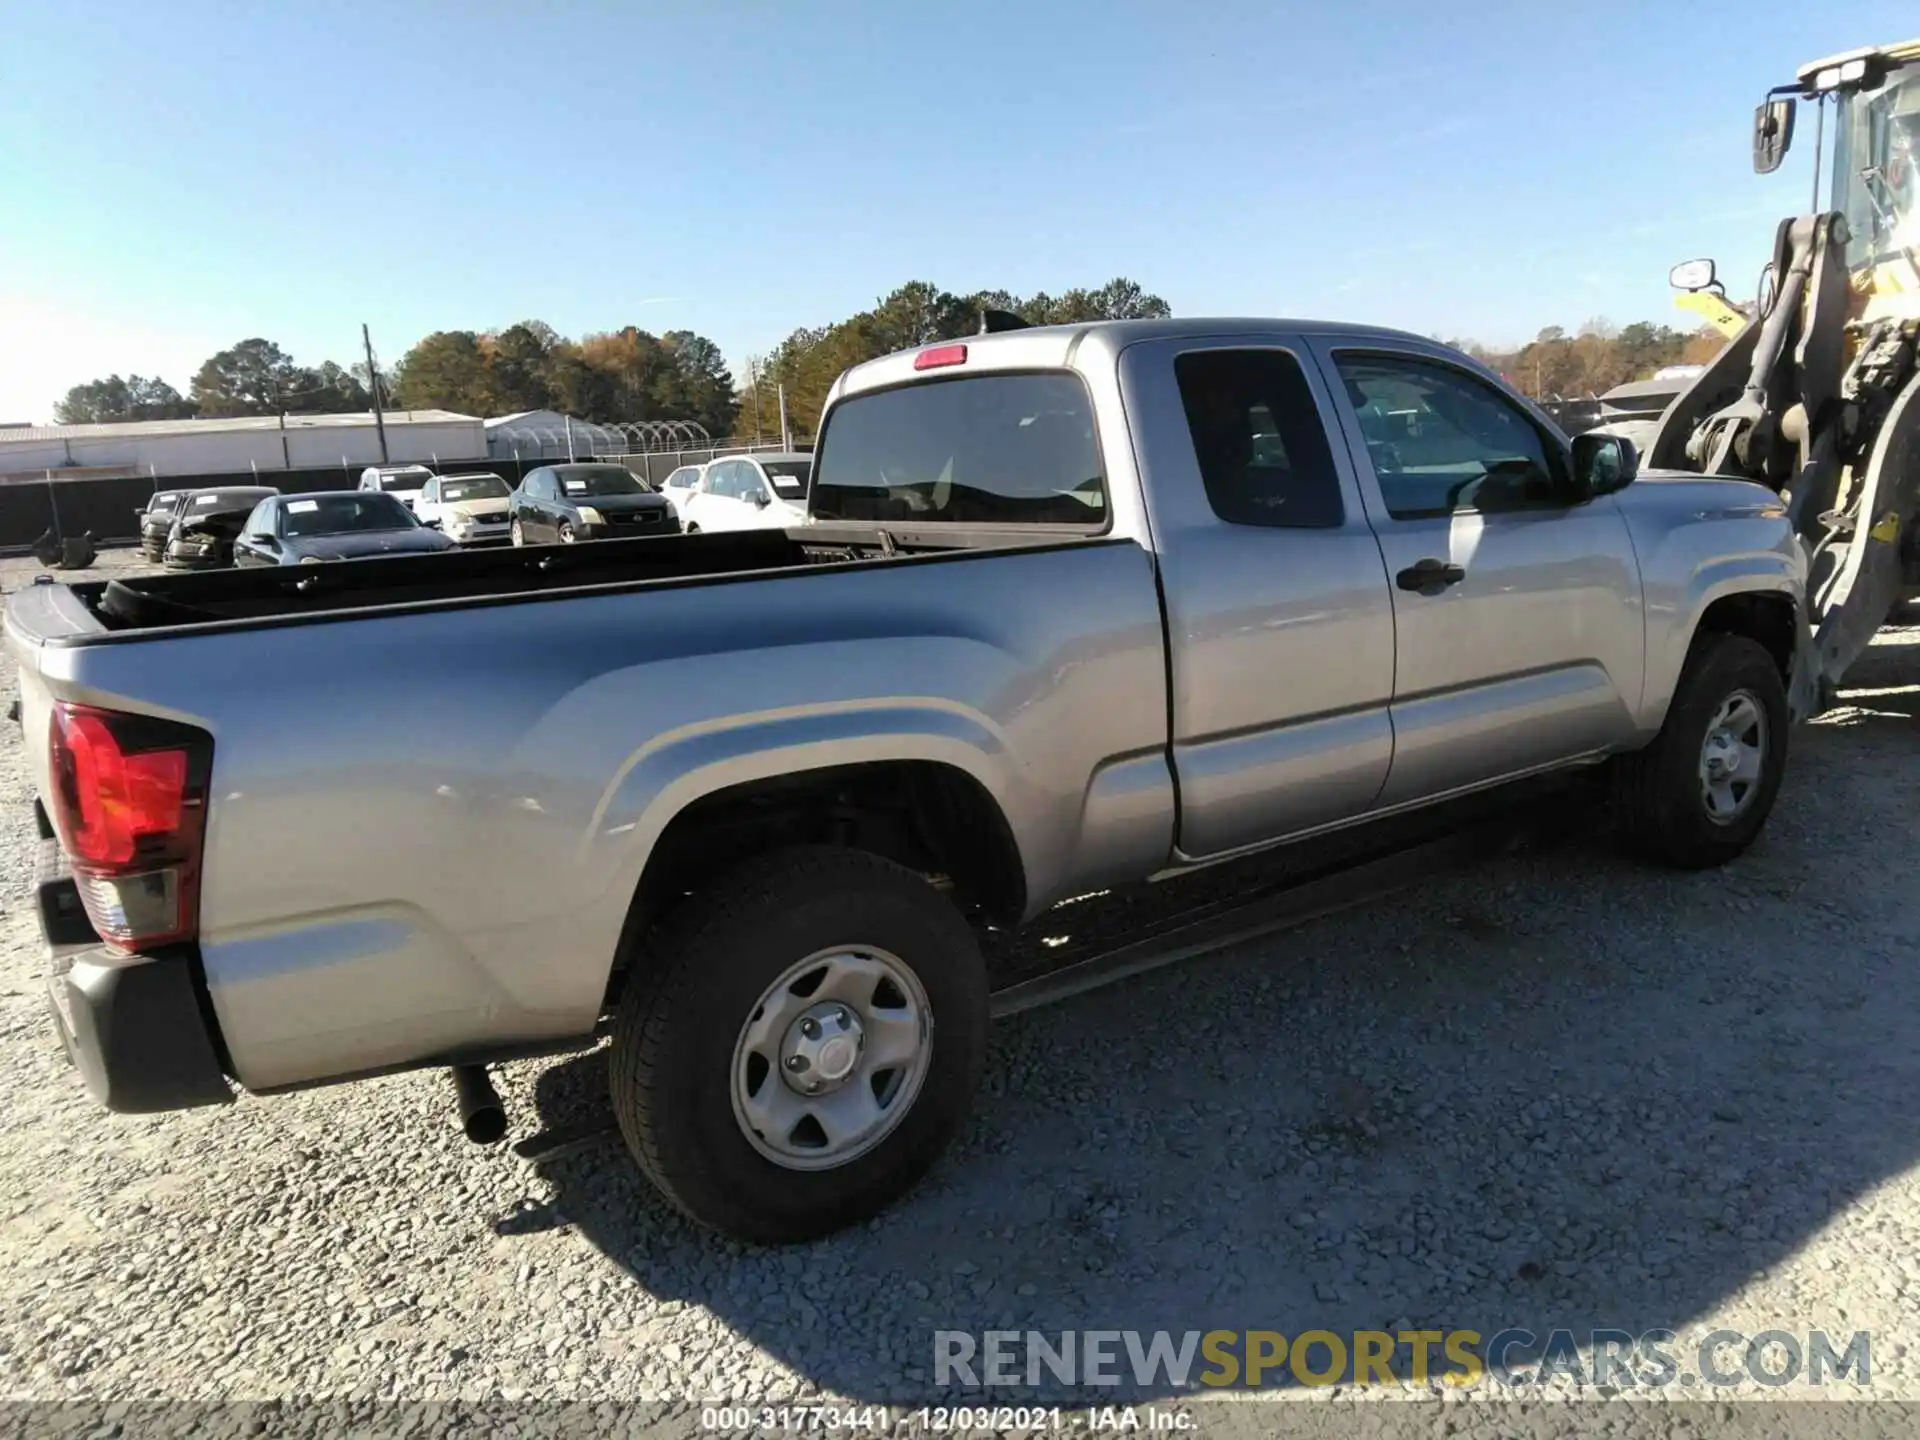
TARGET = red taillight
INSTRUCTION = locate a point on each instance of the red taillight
(129, 801)
(940, 355)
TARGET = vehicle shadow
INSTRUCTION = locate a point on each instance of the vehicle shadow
(1559, 1090)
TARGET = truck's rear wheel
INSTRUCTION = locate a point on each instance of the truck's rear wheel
(1700, 794)
(801, 1044)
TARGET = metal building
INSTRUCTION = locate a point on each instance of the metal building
(162, 448)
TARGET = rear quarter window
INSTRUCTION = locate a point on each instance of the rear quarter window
(998, 449)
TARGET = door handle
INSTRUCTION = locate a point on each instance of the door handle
(1430, 574)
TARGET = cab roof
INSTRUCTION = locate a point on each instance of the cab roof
(1890, 57)
(1046, 347)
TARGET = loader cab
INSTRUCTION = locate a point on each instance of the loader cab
(1866, 119)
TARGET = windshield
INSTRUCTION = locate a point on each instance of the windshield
(1877, 145)
(474, 487)
(343, 513)
(790, 478)
(166, 500)
(225, 500)
(983, 450)
(405, 481)
(578, 480)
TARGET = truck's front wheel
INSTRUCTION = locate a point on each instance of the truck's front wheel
(1700, 794)
(801, 1044)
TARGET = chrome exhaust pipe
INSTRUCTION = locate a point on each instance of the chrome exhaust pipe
(482, 1116)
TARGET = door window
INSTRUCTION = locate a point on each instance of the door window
(1442, 441)
(1259, 439)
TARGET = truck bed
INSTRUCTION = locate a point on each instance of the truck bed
(135, 607)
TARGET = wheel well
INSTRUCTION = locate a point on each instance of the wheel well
(930, 817)
(1766, 618)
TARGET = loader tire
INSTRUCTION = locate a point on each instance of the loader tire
(800, 1044)
(1700, 794)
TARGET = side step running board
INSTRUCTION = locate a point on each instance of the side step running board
(1308, 900)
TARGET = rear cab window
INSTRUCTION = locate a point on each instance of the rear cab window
(1259, 440)
(1010, 448)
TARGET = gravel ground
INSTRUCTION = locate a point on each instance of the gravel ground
(1561, 1091)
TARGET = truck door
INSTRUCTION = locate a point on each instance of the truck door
(1517, 605)
(1279, 623)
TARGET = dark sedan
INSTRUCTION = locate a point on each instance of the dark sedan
(201, 537)
(586, 502)
(333, 525)
(157, 520)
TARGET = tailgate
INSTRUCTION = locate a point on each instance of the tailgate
(37, 613)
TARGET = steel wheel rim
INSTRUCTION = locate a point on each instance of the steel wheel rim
(566, 533)
(1733, 758)
(867, 1012)
(514, 533)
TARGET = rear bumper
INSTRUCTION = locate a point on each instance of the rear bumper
(133, 1025)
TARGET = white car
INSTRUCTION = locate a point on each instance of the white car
(680, 485)
(469, 509)
(749, 492)
(403, 482)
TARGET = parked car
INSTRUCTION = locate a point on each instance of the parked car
(403, 482)
(678, 486)
(333, 525)
(156, 520)
(789, 819)
(202, 534)
(749, 492)
(470, 509)
(587, 501)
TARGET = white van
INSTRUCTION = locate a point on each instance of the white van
(403, 482)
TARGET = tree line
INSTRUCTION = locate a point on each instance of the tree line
(254, 377)
(1556, 365)
(631, 374)
(617, 375)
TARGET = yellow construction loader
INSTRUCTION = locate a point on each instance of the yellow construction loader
(1817, 394)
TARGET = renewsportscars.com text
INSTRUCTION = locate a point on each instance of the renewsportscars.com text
(1515, 1358)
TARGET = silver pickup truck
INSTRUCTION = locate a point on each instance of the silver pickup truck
(1076, 608)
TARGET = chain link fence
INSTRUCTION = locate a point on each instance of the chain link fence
(652, 449)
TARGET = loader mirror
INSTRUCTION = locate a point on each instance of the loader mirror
(1604, 463)
(1692, 275)
(1772, 134)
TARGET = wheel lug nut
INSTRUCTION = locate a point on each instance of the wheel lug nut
(841, 1019)
(796, 1063)
(810, 1028)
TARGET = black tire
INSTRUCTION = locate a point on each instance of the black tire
(566, 533)
(1658, 792)
(516, 535)
(699, 983)
(693, 530)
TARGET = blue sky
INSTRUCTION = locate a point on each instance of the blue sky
(175, 177)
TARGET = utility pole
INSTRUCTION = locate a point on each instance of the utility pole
(786, 431)
(753, 385)
(373, 386)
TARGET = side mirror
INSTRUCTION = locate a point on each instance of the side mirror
(760, 499)
(1604, 463)
(433, 524)
(1772, 134)
(1693, 275)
